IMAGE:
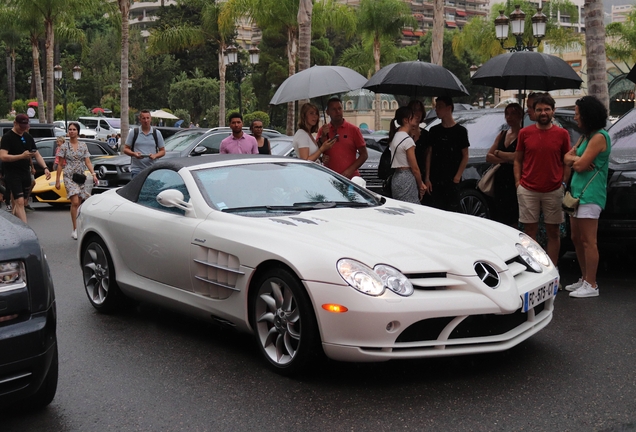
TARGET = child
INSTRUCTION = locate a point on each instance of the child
(59, 141)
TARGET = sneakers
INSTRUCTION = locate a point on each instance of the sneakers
(74, 234)
(584, 291)
(574, 286)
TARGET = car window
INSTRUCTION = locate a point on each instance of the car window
(104, 125)
(157, 182)
(90, 123)
(95, 149)
(46, 148)
(113, 123)
(213, 142)
(623, 138)
(182, 140)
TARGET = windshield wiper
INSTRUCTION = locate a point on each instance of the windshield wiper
(331, 204)
(298, 207)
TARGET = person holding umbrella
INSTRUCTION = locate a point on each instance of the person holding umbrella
(304, 142)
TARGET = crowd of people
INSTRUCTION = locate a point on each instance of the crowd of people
(536, 164)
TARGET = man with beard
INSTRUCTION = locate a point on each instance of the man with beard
(540, 175)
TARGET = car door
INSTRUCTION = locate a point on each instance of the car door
(212, 142)
(154, 241)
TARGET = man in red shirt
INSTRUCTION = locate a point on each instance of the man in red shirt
(540, 174)
(350, 151)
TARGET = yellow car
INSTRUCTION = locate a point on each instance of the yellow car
(44, 190)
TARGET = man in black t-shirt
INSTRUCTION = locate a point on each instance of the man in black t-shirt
(446, 158)
(17, 148)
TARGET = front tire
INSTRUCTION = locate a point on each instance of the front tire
(45, 394)
(473, 203)
(99, 277)
(284, 322)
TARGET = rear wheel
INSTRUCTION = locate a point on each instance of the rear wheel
(99, 277)
(285, 326)
(473, 203)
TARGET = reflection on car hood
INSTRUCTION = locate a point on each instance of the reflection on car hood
(112, 160)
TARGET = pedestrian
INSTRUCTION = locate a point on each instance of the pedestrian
(75, 160)
(257, 132)
(112, 141)
(589, 163)
(17, 148)
(502, 152)
(419, 135)
(349, 151)
(239, 142)
(58, 143)
(304, 143)
(406, 183)
(540, 174)
(144, 145)
(446, 158)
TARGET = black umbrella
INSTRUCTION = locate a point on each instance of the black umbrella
(416, 78)
(632, 75)
(527, 70)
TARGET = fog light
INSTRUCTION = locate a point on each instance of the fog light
(335, 308)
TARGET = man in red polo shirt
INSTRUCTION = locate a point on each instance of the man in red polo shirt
(350, 151)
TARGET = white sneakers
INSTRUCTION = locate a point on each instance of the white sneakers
(574, 286)
(74, 234)
(584, 291)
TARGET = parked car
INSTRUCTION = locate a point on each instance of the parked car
(376, 142)
(310, 262)
(84, 130)
(28, 342)
(44, 190)
(36, 130)
(103, 126)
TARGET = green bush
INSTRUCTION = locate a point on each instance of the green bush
(183, 115)
(256, 115)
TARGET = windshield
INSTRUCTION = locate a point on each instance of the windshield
(181, 141)
(623, 139)
(114, 123)
(265, 188)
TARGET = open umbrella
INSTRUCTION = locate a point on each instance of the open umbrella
(33, 104)
(163, 115)
(416, 78)
(524, 70)
(97, 110)
(317, 81)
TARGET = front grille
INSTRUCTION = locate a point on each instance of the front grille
(370, 175)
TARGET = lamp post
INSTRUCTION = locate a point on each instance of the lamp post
(63, 85)
(240, 71)
(516, 23)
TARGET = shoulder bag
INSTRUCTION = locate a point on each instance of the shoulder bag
(487, 182)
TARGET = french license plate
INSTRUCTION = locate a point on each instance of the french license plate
(102, 182)
(539, 295)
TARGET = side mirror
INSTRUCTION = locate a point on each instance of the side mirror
(172, 198)
(199, 150)
(359, 181)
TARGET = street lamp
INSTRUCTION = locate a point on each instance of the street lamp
(63, 85)
(516, 23)
(240, 71)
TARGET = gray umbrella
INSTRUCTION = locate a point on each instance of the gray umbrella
(527, 70)
(416, 78)
(318, 81)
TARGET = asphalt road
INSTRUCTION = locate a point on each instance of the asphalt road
(154, 370)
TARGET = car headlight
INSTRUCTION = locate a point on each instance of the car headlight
(532, 253)
(125, 169)
(12, 275)
(374, 281)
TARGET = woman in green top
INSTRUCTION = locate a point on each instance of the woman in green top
(589, 162)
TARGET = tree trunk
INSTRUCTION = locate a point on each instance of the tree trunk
(292, 53)
(304, 39)
(50, 87)
(378, 99)
(595, 51)
(437, 46)
(9, 76)
(124, 6)
(12, 89)
(36, 79)
(222, 69)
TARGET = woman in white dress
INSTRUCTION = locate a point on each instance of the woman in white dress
(304, 142)
(406, 184)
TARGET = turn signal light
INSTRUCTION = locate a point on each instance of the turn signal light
(335, 308)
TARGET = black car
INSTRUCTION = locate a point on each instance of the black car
(46, 148)
(36, 130)
(28, 343)
(483, 127)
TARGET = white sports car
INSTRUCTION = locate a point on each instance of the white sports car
(310, 262)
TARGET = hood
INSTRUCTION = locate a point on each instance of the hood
(112, 160)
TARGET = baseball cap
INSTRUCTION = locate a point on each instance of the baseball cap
(22, 119)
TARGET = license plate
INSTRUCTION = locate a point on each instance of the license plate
(102, 182)
(539, 295)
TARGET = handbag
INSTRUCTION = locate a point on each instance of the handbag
(571, 203)
(79, 178)
(487, 182)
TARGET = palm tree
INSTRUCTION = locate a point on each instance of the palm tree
(437, 44)
(217, 23)
(11, 33)
(595, 51)
(124, 10)
(36, 32)
(377, 21)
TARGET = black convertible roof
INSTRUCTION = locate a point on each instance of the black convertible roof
(132, 189)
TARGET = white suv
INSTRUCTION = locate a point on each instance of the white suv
(103, 126)
(84, 130)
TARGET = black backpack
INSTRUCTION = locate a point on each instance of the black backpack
(136, 134)
(386, 160)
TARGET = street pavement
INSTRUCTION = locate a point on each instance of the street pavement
(154, 370)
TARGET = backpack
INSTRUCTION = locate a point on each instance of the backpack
(386, 160)
(136, 134)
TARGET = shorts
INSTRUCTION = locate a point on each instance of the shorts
(531, 204)
(588, 211)
(17, 184)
